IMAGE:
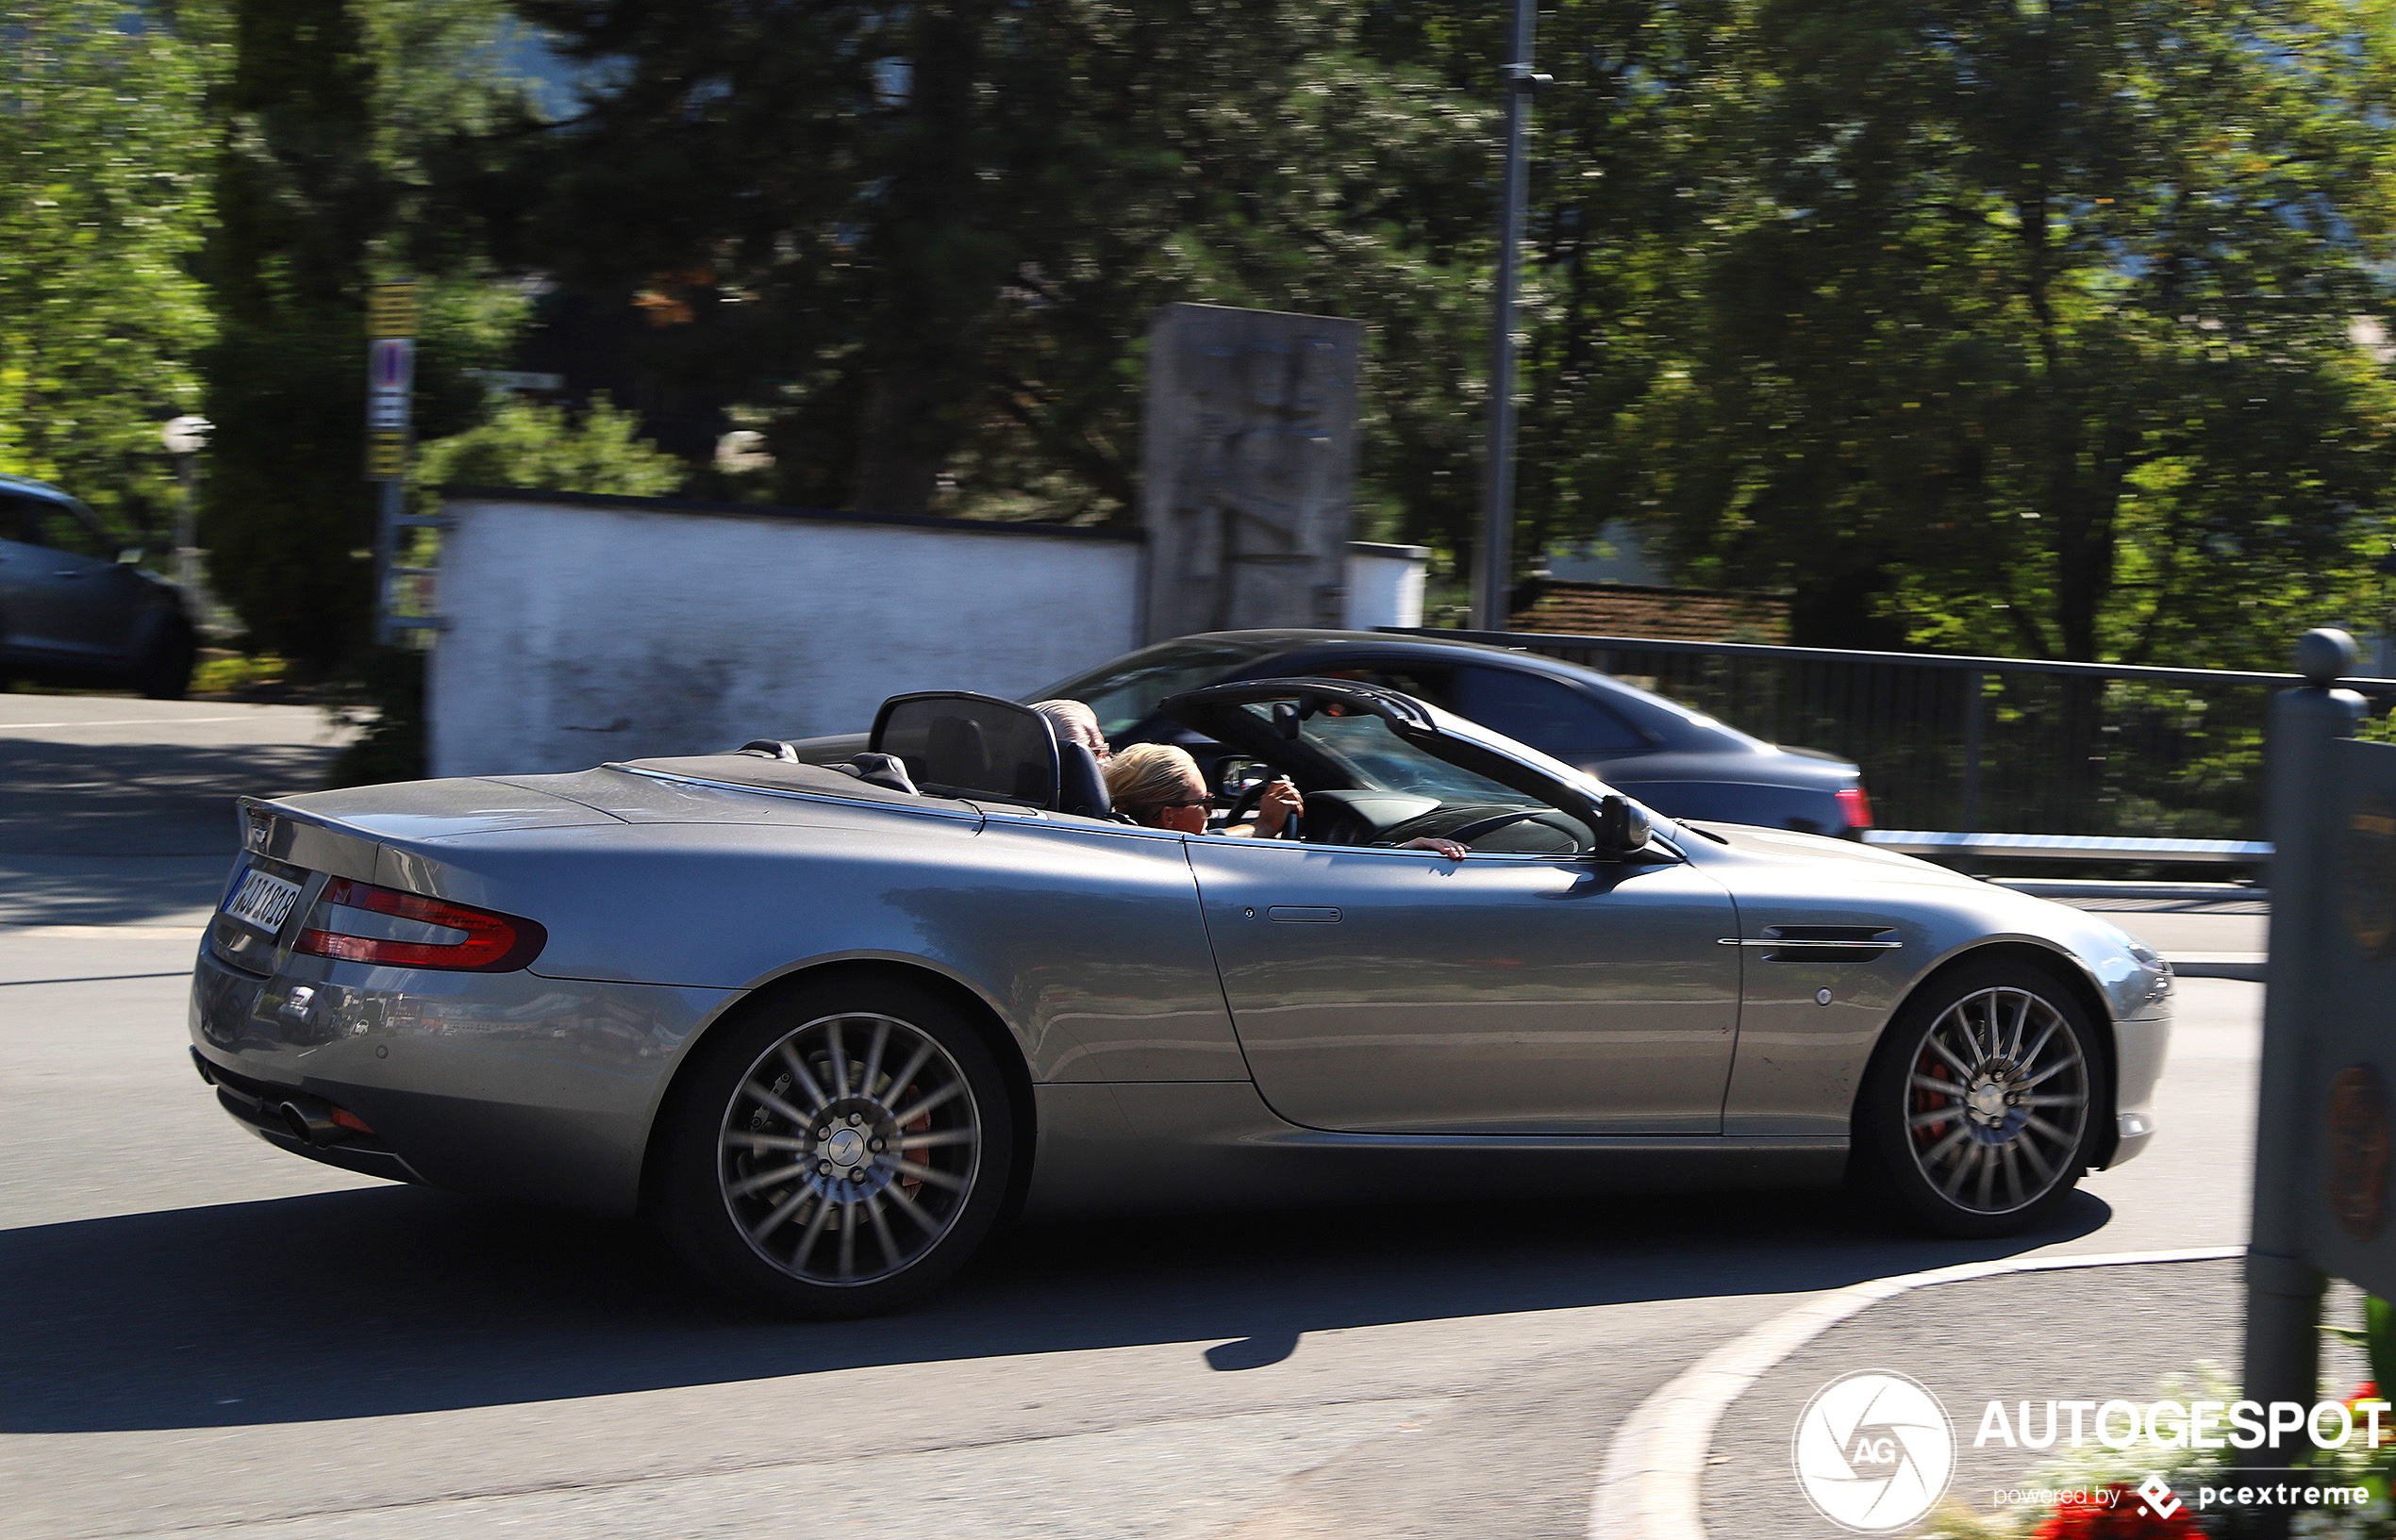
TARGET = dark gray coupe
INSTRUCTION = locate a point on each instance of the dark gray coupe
(828, 1024)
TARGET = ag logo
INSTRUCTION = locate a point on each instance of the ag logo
(1874, 1451)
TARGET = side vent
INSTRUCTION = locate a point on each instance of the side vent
(1820, 943)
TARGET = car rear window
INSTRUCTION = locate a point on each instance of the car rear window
(1545, 713)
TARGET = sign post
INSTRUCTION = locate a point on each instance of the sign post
(390, 382)
(2321, 1143)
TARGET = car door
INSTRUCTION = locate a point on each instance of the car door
(89, 604)
(1395, 991)
(1523, 990)
(27, 597)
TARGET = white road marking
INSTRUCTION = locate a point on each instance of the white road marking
(102, 933)
(120, 721)
(1656, 1467)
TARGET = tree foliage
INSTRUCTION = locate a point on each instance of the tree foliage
(2056, 326)
(922, 242)
(104, 197)
(2035, 328)
(524, 444)
(331, 114)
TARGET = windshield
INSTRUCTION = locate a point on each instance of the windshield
(1364, 746)
(1124, 691)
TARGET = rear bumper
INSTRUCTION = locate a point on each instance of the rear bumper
(540, 1090)
(258, 1107)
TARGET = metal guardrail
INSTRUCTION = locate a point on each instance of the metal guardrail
(2034, 749)
(1526, 640)
(2070, 846)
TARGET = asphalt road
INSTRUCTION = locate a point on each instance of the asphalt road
(207, 1337)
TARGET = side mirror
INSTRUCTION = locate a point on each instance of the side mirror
(1623, 826)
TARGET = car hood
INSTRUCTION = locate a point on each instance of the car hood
(1862, 862)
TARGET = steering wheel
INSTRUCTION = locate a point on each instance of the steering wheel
(1247, 800)
(1496, 822)
(1251, 799)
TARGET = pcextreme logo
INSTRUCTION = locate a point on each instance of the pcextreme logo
(1874, 1451)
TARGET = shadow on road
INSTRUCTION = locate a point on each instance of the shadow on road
(374, 1302)
(123, 832)
(141, 799)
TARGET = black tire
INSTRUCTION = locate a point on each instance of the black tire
(166, 667)
(841, 1212)
(2031, 1091)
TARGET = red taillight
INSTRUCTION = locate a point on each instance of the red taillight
(492, 943)
(1858, 807)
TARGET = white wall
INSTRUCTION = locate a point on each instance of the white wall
(584, 629)
(1384, 584)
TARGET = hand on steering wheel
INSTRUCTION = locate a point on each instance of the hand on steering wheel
(1256, 800)
(1245, 804)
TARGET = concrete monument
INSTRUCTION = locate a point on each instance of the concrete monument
(1248, 460)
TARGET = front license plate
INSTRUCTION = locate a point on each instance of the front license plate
(263, 900)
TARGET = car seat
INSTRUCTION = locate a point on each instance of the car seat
(1081, 786)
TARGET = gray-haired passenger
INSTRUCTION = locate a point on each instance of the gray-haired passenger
(1075, 723)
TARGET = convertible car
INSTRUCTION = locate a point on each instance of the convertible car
(827, 1024)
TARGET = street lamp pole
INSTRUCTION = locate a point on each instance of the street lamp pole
(184, 437)
(1492, 579)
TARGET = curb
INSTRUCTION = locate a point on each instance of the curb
(1652, 1482)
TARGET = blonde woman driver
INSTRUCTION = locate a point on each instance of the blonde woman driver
(1159, 785)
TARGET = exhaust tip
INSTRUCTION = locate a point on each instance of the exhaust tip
(309, 1124)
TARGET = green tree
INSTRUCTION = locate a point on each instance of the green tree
(103, 201)
(524, 444)
(922, 243)
(332, 114)
(2037, 328)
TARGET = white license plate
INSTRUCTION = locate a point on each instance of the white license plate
(263, 900)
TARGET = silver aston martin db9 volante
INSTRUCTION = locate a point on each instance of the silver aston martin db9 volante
(826, 1025)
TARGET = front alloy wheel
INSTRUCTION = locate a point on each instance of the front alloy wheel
(836, 1155)
(1978, 1112)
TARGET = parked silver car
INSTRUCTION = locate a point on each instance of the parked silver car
(74, 609)
(828, 1024)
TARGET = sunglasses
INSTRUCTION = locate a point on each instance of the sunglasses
(1160, 808)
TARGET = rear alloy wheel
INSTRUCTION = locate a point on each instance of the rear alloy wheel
(838, 1152)
(1982, 1103)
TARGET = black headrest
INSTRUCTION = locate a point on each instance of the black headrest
(1081, 786)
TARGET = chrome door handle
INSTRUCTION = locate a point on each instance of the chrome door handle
(65, 572)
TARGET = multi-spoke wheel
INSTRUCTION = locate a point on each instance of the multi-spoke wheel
(1978, 1112)
(835, 1150)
